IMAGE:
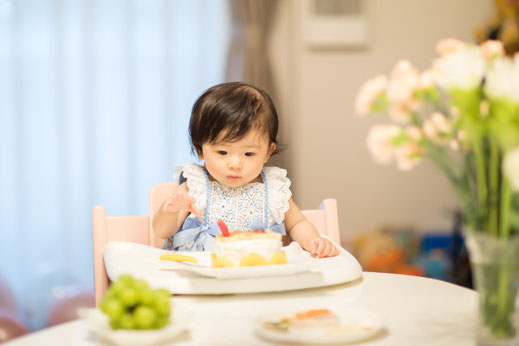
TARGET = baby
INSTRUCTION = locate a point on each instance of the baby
(233, 129)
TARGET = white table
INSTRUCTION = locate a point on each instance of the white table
(417, 311)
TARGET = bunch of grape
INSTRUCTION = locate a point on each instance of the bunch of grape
(131, 304)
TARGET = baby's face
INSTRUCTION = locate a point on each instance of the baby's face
(238, 163)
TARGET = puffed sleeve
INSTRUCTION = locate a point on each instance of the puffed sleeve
(194, 176)
(279, 192)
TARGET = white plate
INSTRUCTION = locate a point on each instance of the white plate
(356, 325)
(297, 262)
(143, 262)
(98, 322)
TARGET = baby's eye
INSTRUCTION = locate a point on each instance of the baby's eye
(250, 154)
(222, 152)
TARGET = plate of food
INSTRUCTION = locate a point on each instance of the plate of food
(243, 255)
(192, 272)
(133, 314)
(320, 325)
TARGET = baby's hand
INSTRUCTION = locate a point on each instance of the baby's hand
(180, 201)
(322, 247)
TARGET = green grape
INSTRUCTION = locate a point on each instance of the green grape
(131, 304)
(162, 292)
(127, 279)
(113, 308)
(161, 321)
(140, 284)
(128, 296)
(127, 321)
(109, 294)
(146, 296)
(144, 317)
(161, 304)
(117, 287)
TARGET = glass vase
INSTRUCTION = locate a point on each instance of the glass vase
(495, 270)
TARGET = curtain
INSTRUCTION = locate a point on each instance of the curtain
(248, 58)
(95, 100)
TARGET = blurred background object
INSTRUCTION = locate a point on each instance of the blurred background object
(436, 254)
(503, 25)
(73, 305)
(10, 326)
(7, 299)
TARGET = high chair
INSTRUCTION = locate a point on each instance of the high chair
(138, 229)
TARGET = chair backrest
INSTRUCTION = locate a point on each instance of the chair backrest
(139, 229)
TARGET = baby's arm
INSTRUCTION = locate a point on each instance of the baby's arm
(302, 231)
(173, 212)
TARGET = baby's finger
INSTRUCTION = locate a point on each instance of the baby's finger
(312, 247)
(167, 204)
(334, 251)
(327, 248)
(195, 210)
(180, 196)
(319, 247)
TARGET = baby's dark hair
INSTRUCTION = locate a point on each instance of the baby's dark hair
(235, 108)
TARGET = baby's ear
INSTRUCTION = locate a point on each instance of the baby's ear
(271, 150)
(199, 153)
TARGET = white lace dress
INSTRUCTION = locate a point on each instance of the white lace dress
(253, 206)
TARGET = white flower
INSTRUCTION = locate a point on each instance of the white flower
(380, 142)
(400, 112)
(368, 93)
(436, 126)
(511, 167)
(428, 78)
(463, 69)
(502, 80)
(448, 46)
(414, 132)
(491, 49)
(408, 155)
(403, 81)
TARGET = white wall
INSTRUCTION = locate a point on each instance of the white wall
(326, 155)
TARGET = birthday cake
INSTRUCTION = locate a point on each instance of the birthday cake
(248, 248)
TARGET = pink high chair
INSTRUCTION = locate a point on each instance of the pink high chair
(138, 229)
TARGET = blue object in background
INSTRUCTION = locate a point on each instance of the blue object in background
(436, 264)
(438, 253)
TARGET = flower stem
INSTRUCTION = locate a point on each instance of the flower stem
(481, 178)
(494, 170)
(506, 199)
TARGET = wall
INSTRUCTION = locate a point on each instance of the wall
(326, 155)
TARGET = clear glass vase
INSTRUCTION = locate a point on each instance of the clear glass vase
(495, 270)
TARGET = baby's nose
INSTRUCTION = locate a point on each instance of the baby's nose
(235, 163)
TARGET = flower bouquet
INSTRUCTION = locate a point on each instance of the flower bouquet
(463, 114)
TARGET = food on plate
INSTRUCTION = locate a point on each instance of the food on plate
(315, 319)
(178, 258)
(129, 303)
(247, 248)
(318, 318)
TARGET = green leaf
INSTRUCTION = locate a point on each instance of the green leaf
(381, 103)
(402, 138)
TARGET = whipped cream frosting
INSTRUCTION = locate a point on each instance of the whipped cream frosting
(242, 244)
